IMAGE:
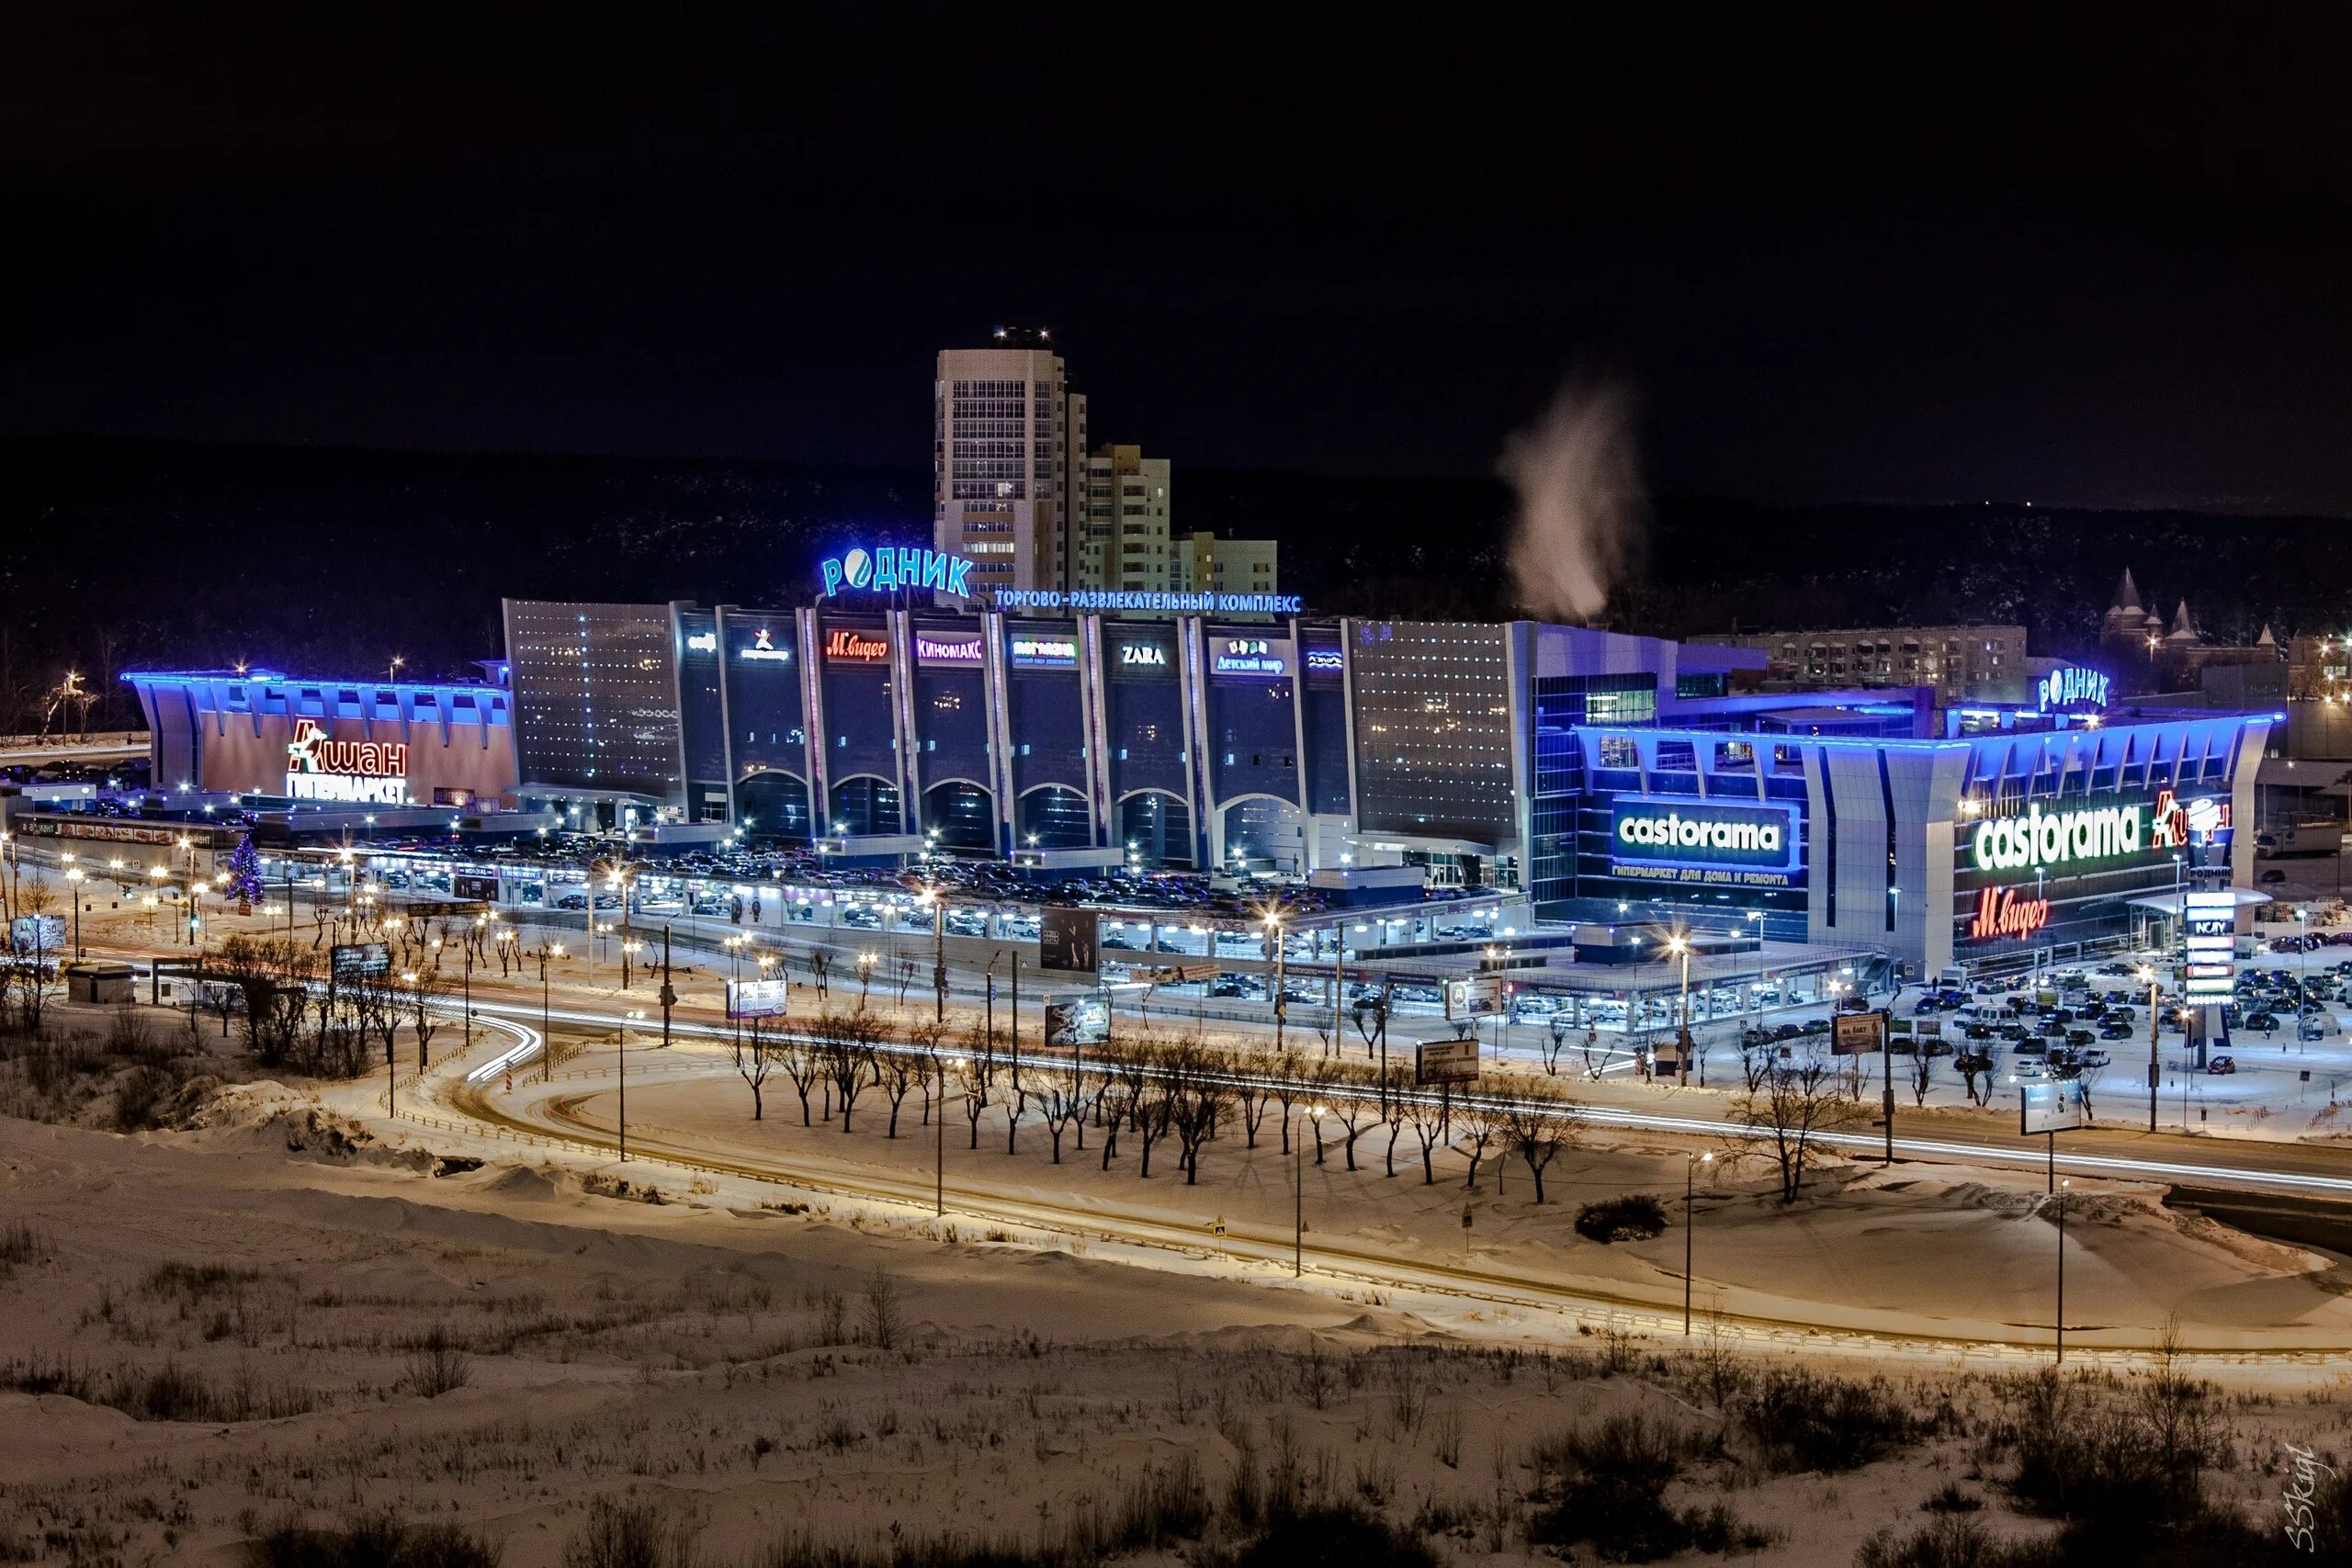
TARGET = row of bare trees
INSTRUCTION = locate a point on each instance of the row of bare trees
(297, 1015)
(1151, 1092)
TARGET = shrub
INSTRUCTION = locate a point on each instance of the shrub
(136, 1095)
(438, 1366)
(1805, 1421)
(632, 1532)
(1606, 1484)
(1952, 1540)
(1636, 1216)
(377, 1541)
(1346, 1536)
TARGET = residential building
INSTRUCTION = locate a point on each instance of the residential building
(1207, 564)
(1962, 663)
(1125, 543)
(1008, 461)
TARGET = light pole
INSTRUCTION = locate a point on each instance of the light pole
(1689, 1172)
(1679, 945)
(938, 907)
(638, 1013)
(1273, 919)
(2060, 1324)
(547, 1030)
(73, 886)
(939, 1133)
(2155, 1021)
(1299, 1191)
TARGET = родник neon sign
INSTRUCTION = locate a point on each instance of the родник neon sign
(2071, 687)
(889, 567)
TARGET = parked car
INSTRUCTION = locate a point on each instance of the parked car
(2116, 1031)
(2265, 1022)
(2220, 1065)
(1853, 1004)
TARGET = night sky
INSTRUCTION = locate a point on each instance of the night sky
(2100, 260)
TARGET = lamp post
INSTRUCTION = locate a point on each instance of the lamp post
(2059, 1321)
(1679, 945)
(1273, 921)
(639, 1014)
(931, 900)
(939, 1133)
(547, 1030)
(1299, 1191)
(2155, 1016)
(74, 885)
(1689, 1172)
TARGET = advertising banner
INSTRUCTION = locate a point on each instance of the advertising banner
(1445, 1061)
(1066, 942)
(360, 960)
(949, 650)
(1480, 995)
(1857, 1033)
(2211, 921)
(475, 889)
(1037, 650)
(1663, 839)
(1078, 1021)
(37, 934)
(2051, 1107)
(757, 999)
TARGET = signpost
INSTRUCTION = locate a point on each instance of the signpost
(1860, 1034)
(2050, 1108)
(1480, 995)
(360, 960)
(1445, 1061)
(757, 999)
(1066, 943)
(1078, 1021)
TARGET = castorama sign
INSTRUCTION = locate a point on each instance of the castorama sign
(889, 567)
(1704, 842)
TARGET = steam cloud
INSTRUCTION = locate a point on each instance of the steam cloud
(1581, 503)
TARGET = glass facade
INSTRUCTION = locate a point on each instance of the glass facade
(1434, 730)
(596, 698)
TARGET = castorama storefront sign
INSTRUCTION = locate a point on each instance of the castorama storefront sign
(1702, 841)
(2056, 839)
(888, 568)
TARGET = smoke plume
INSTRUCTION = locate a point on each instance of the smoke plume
(1581, 505)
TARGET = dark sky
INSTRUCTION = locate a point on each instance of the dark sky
(2088, 257)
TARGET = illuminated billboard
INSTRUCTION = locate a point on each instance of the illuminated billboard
(1702, 841)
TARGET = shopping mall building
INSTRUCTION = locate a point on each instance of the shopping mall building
(1602, 778)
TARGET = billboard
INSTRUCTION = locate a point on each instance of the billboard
(1078, 1021)
(37, 934)
(475, 889)
(2211, 921)
(757, 999)
(1676, 839)
(1066, 942)
(2053, 1106)
(360, 960)
(1857, 1033)
(1479, 996)
(1445, 1061)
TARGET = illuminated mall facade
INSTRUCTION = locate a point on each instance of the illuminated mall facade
(1601, 777)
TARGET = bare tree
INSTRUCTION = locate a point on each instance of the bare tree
(1798, 1102)
(1536, 1124)
(847, 1040)
(431, 992)
(1338, 1086)
(1253, 1095)
(821, 973)
(1480, 1124)
(1197, 1099)
(1429, 1118)
(755, 1055)
(898, 1073)
(1060, 1101)
(977, 1072)
(804, 1064)
(1149, 1105)
(1287, 1076)
(1395, 1112)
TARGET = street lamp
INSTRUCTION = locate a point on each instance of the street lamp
(2059, 1321)
(2147, 974)
(74, 881)
(546, 1033)
(1679, 945)
(1298, 1189)
(1273, 917)
(939, 1129)
(637, 1014)
(930, 899)
(1689, 1171)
